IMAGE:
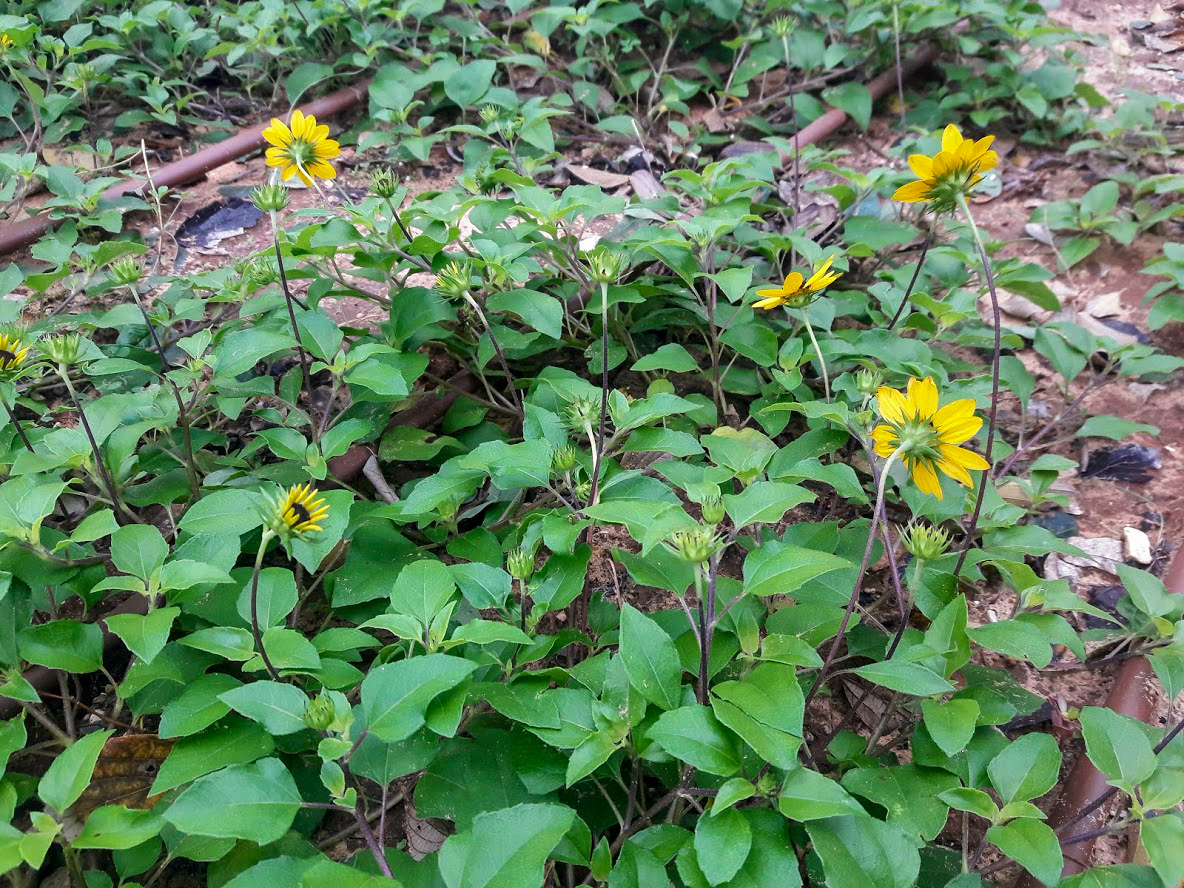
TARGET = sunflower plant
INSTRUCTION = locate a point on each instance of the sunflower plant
(526, 531)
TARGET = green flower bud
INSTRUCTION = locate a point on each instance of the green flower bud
(489, 114)
(713, 509)
(319, 714)
(520, 564)
(455, 280)
(271, 198)
(125, 272)
(383, 183)
(694, 546)
(563, 460)
(605, 266)
(868, 380)
(584, 490)
(64, 349)
(581, 412)
(924, 541)
(781, 26)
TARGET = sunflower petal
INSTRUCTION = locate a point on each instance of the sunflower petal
(926, 479)
(921, 165)
(793, 283)
(891, 404)
(957, 426)
(914, 192)
(967, 459)
(951, 138)
(921, 397)
(886, 440)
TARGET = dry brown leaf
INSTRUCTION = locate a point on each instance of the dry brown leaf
(593, 176)
(423, 836)
(124, 773)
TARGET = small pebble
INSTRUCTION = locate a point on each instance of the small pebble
(1136, 545)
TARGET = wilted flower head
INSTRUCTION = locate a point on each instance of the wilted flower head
(296, 513)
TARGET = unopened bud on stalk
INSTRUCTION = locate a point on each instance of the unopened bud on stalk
(605, 266)
(563, 460)
(64, 349)
(713, 509)
(694, 546)
(319, 713)
(580, 413)
(455, 280)
(868, 380)
(383, 183)
(520, 564)
(125, 272)
(924, 541)
(272, 198)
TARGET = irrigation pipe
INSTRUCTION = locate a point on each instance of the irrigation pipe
(1130, 695)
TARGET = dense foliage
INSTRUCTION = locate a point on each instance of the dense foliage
(708, 478)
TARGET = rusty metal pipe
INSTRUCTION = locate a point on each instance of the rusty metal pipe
(1085, 785)
(188, 169)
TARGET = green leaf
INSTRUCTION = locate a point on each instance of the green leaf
(1163, 839)
(1031, 844)
(241, 350)
(782, 570)
(1118, 746)
(1147, 591)
(396, 696)
(303, 77)
(117, 828)
(589, 756)
(950, 724)
(908, 678)
(765, 709)
(765, 502)
(808, 795)
(693, 734)
(854, 99)
(1113, 427)
(276, 597)
(858, 851)
(233, 741)
(1026, 769)
(543, 312)
(223, 511)
(278, 707)
(422, 590)
(139, 550)
(63, 644)
(69, 774)
(963, 798)
(469, 83)
(651, 660)
(722, 844)
(255, 802)
(506, 848)
(197, 707)
(671, 357)
(908, 793)
(144, 634)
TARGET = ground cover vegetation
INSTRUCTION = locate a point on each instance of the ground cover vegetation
(713, 475)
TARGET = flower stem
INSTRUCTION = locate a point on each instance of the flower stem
(997, 322)
(899, 70)
(793, 117)
(255, 633)
(912, 283)
(501, 356)
(290, 302)
(881, 485)
(20, 430)
(100, 464)
(817, 352)
(598, 449)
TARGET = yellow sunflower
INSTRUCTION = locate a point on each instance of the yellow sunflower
(299, 512)
(303, 151)
(928, 436)
(797, 291)
(5, 44)
(12, 352)
(957, 168)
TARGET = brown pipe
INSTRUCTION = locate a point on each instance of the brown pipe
(1085, 784)
(188, 169)
(44, 679)
(830, 122)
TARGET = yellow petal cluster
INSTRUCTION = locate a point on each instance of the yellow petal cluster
(299, 512)
(302, 150)
(12, 352)
(797, 290)
(928, 435)
(958, 167)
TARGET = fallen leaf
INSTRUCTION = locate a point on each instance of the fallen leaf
(124, 773)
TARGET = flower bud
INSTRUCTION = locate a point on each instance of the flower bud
(489, 114)
(580, 413)
(694, 546)
(713, 509)
(563, 460)
(125, 272)
(584, 490)
(271, 198)
(605, 266)
(924, 541)
(455, 280)
(868, 380)
(383, 183)
(781, 26)
(520, 564)
(64, 349)
(319, 713)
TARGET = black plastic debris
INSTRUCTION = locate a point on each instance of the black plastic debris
(217, 222)
(1127, 462)
(1059, 523)
(1127, 329)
